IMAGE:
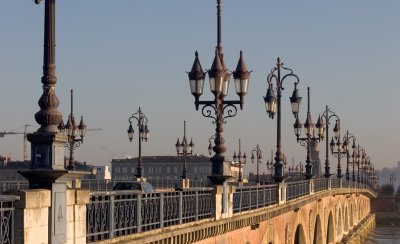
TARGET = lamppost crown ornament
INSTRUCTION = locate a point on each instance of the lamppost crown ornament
(219, 109)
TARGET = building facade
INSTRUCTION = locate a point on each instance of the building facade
(162, 167)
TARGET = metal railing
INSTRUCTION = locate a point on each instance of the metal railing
(297, 189)
(320, 184)
(13, 185)
(335, 183)
(253, 197)
(112, 214)
(118, 213)
(107, 185)
(7, 218)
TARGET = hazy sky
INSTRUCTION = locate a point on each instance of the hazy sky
(119, 55)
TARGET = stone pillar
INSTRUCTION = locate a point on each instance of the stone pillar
(281, 193)
(223, 201)
(31, 218)
(311, 185)
(185, 183)
(76, 215)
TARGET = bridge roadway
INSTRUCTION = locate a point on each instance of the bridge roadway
(312, 211)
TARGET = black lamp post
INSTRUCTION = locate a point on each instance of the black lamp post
(327, 115)
(341, 150)
(273, 105)
(143, 135)
(310, 135)
(257, 158)
(347, 137)
(184, 149)
(72, 131)
(219, 82)
(357, 160)
(241, 160)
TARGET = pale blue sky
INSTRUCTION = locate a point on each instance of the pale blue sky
(119, 55)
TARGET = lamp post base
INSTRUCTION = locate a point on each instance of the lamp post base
(219, 179)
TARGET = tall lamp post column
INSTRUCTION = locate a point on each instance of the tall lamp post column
(327, 115)
(143, 135)
(273, 105)
(341, 151)
(347, 137)
(241, 160)
(257, 159)
(72, 131)
(47, 143)
(310, 135)
(184, 149)
(219, 109)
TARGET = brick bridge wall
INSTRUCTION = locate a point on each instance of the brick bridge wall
(323, 216)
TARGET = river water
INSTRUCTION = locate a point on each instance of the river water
(384, 235)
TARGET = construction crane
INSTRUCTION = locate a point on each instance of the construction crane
(2, 134)
(25, 133)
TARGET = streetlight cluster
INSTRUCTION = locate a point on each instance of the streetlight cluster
(143, 135)
(72, 131)
(220, 108)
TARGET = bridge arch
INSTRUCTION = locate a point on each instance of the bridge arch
(270, 235)
(318, 234)
(339, 224)
(299, 235)
(330, 230)
(351, 215)
(346, 220)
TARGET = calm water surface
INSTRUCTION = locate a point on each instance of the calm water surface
(384, 235)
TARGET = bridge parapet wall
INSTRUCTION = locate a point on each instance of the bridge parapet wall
(252, 206)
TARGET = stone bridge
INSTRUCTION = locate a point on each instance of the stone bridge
(312, 211)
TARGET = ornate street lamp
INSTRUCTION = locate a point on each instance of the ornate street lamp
(241, 160)
(310, 135)
(72, 131)
(357, 160)
(219, 84)
(143, 135)
(327, 115)
(273, 105)
(339, 149)
(347, 137)
(184, 149)
(257, 158)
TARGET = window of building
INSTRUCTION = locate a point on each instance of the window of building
(124, 170)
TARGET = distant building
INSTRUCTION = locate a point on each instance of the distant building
(9, 169)
(166, 167)
(102, 172)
